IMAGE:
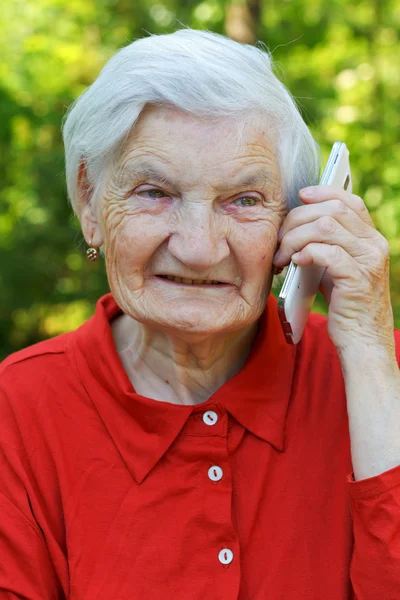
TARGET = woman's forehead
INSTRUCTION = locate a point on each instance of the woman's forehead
(171, 136)
(164, 123)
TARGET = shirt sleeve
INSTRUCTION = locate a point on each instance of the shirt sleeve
(26, 569)
(375, 508)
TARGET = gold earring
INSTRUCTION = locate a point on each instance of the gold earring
(92, 253)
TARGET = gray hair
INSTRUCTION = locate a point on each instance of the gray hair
(203, 73)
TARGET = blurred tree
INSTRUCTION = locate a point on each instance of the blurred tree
(242, 20)
(339, 58)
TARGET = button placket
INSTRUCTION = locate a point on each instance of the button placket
(215, 474)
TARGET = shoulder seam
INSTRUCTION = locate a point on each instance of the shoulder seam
(17, 360)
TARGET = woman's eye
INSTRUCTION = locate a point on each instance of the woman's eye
(154, 194)
(246, 201)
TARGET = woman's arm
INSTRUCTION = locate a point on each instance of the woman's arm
(372, 380)
(373, 399)
(26, 570)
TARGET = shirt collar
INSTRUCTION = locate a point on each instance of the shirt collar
(143, 429)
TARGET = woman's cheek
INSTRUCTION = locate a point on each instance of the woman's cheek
(125, 261)
(258, 254)
(266, 244)
(134, 240)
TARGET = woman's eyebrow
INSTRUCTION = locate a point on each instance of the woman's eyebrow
(147, 171)
(143, 170)
(258, 178)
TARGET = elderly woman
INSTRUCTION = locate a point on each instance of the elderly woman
(175, 446)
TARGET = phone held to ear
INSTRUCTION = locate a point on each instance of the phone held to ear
(301, 283)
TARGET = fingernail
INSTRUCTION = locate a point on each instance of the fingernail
(307, 191)
(295, 256)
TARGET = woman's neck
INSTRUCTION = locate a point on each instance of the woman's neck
(171, 369)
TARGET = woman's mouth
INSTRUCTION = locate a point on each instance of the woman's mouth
(183, 280)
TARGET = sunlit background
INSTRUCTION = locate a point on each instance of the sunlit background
(339, 58)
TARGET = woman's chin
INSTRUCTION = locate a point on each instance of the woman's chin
(197, 318)
(193, 320)
(195, 314)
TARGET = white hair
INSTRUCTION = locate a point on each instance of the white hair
(203, 73)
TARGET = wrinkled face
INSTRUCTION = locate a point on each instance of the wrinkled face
(191, 200)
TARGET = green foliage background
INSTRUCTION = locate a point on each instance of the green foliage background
(340, 59)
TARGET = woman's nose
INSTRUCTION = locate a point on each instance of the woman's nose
(199, 242)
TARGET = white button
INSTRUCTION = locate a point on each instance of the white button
(215, 473)
(225, 556)
(210, 417)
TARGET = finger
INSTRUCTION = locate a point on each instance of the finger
(328, 231)
(337, 209)
(338, 263)
(321, 193)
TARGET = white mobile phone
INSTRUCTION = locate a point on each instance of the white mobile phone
(301, 283)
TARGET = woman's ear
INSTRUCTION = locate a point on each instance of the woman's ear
(84, 191)
(86, 209)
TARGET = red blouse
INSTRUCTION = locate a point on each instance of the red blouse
(109, 495)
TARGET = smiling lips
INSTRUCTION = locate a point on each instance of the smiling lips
(191, 281)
